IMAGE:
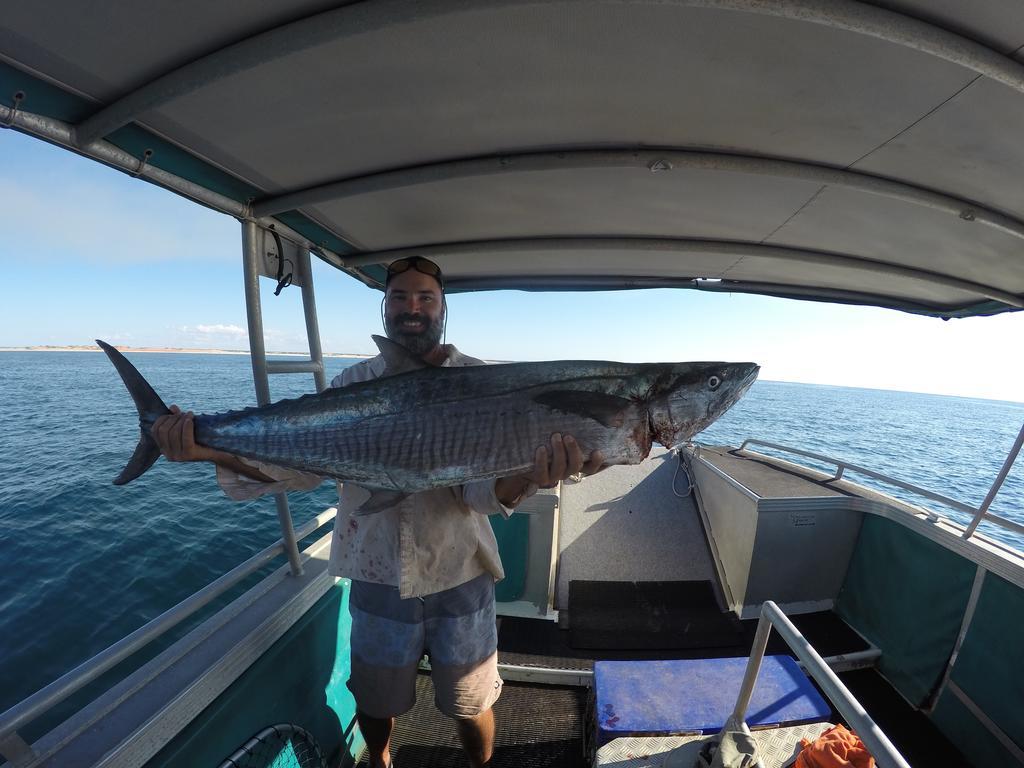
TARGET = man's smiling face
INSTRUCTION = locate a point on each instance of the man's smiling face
(414, 311)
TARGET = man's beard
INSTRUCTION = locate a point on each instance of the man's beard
(417, 342)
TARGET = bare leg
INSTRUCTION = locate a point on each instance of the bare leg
(377, 734)
(477, 737)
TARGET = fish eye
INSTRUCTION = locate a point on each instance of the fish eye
(713, 382)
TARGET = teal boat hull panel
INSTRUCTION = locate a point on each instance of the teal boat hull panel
(907, 595)
(513, 536)
(300, 680)
(990, 668)
(972, 738)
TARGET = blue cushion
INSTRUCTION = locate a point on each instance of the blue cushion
(660, 698)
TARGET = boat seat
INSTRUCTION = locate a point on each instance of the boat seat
(776, 747)
(696, 696)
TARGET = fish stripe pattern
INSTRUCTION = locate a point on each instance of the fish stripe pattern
(431, 427)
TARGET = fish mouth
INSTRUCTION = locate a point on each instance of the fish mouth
(749, 377)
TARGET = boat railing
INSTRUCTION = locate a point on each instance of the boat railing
(877, 743)
(978, 514)
(60, 689)
(255, 256)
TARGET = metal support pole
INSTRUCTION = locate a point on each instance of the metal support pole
(312, 326)
(877, 743)
(760, 645)
(45, 699)
(1010, 458)
(258, 353)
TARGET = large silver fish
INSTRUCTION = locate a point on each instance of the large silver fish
(422, 427)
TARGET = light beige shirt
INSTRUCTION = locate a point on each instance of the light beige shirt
(431, 541)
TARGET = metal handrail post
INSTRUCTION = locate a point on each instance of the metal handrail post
(258, 354)
(843, 466)
(316, 353)
(254, 311)
(48, 697)
(1011, 457)
(757, 650)
(877, 743)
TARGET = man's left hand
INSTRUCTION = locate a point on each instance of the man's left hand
(551, 465)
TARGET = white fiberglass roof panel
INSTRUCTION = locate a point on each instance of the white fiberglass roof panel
(388, 101)
(572, 202)
(117, 45)
(897, 232)
(767, 269)
(972, 144)
(514, 77)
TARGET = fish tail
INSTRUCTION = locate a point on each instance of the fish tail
(150, 406)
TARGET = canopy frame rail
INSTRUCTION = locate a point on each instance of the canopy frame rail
(482, 249)
(877, 743)
(18, 752)
(661, 160)
(361, 18)
(62, 134)
(262, 368)
(983, 513)
(977, 514)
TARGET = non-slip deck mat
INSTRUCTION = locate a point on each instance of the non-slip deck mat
(648, 614)
(536, 642)
(537, 727)
(776, 748)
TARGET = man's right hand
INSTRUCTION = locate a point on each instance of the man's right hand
(175, 434)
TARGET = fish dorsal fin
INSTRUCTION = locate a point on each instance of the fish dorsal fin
(379, 500)
(397, 359)
(608, 410)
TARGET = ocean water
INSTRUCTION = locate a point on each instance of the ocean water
(86, 562)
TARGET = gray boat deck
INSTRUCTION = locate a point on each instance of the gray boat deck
(626, 524)
(538, 727)
(544, 725)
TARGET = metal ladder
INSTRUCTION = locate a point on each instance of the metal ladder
(258, 259)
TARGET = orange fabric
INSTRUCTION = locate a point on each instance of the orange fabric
(835, 748)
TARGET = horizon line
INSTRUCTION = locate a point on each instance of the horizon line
(362, 356)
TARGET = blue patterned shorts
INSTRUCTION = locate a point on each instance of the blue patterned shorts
(456, 628)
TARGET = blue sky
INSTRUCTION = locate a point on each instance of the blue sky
(89, 252)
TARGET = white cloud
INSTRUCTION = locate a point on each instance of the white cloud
(221, 330)
(230, 335)
(277, 340)
(209, 335)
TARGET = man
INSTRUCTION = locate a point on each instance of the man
(422, 571)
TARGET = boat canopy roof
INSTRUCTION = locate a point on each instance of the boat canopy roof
(818, 149)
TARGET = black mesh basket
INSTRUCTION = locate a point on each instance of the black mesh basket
(278, 746)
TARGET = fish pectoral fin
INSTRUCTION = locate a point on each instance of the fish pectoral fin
(608, 410)
(380, 499)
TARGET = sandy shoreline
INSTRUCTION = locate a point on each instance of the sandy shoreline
(173, 350)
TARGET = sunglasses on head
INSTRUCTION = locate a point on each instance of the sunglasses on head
(420, 264)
